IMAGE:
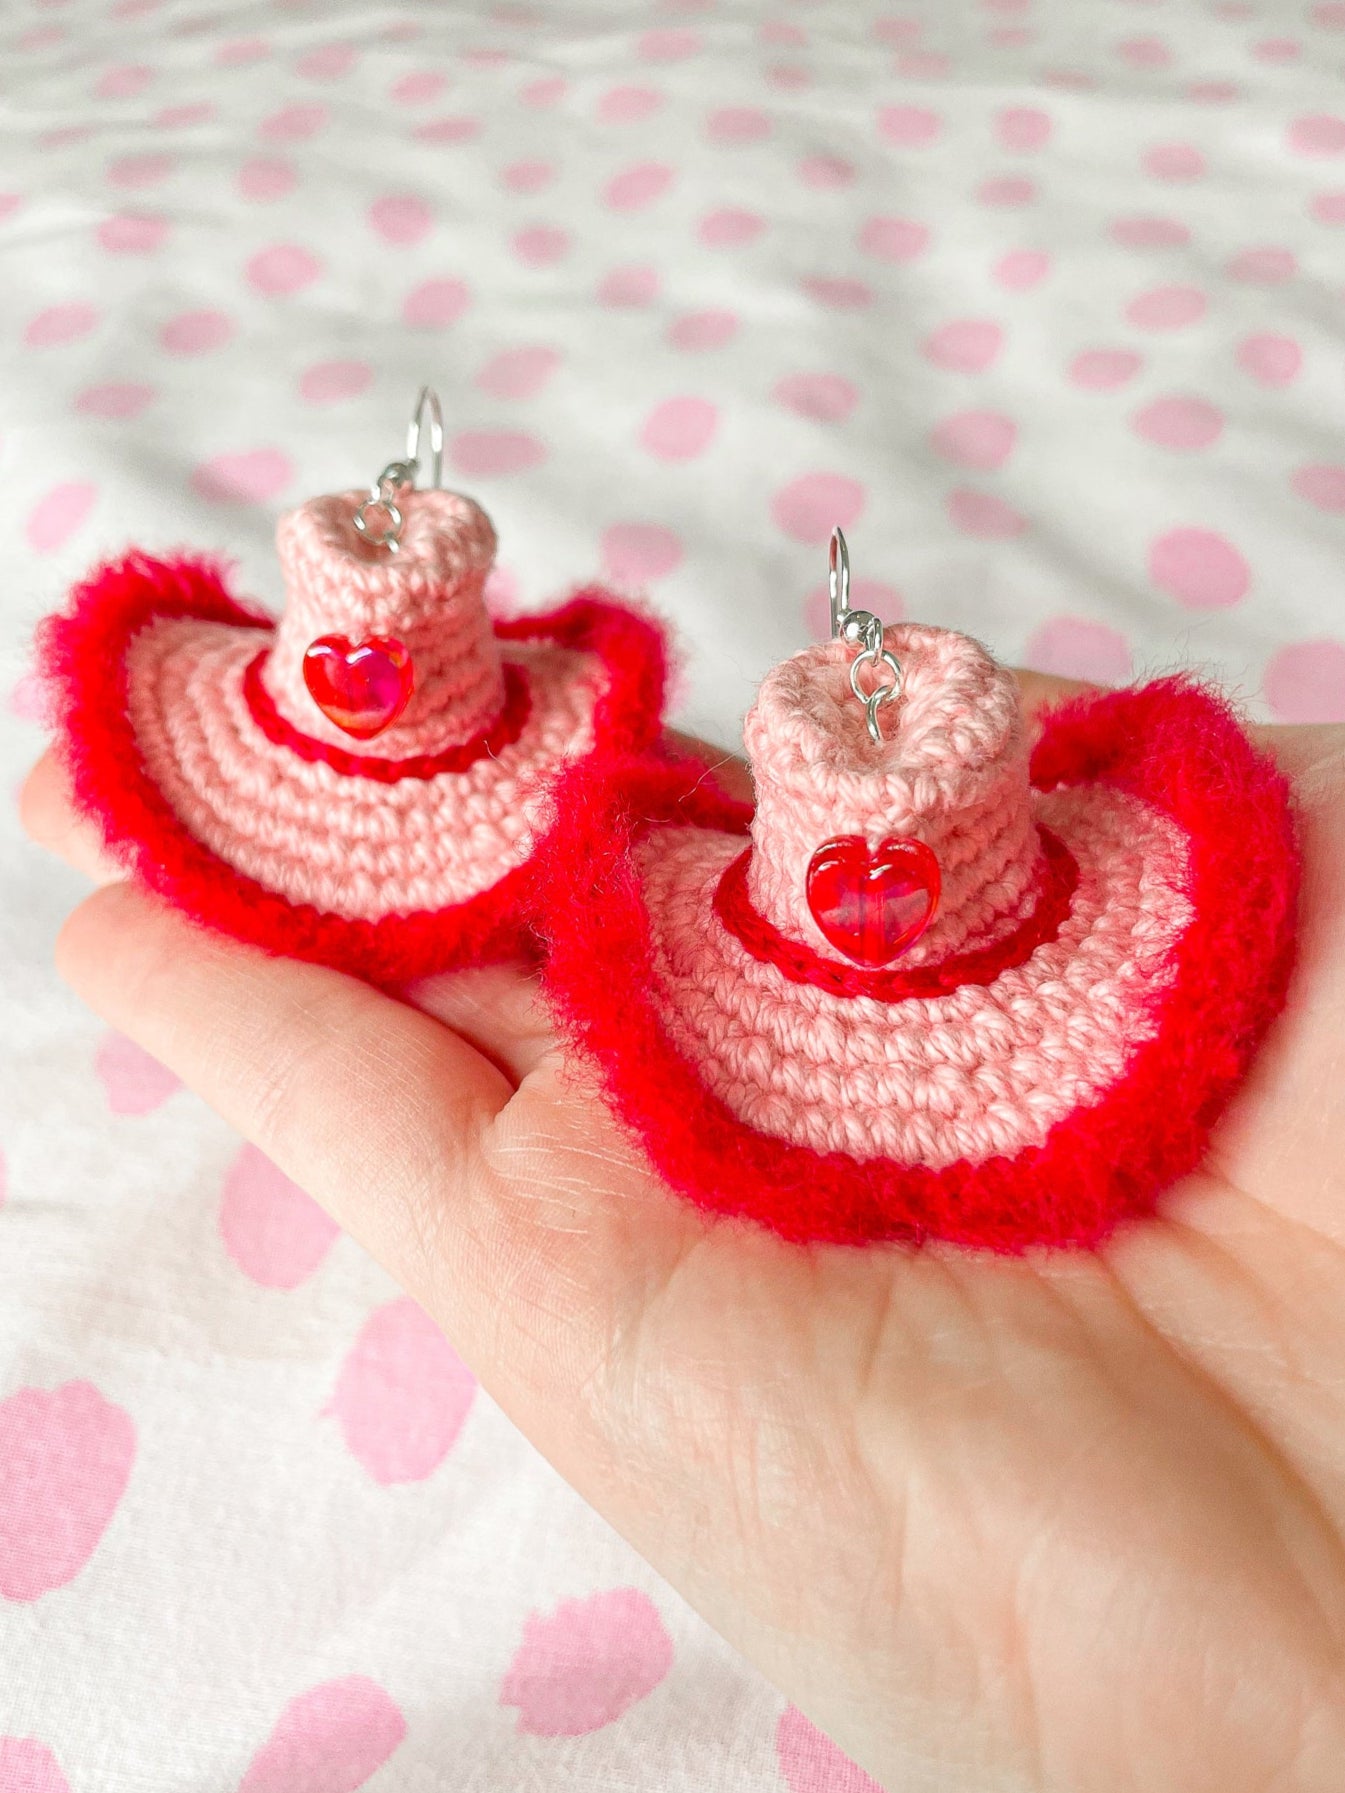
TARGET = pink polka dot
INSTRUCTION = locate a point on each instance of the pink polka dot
(419, 87)
(401, 219)
(1021, 269)
(965, 346)
(783, 34)
(118, 400)
(730, 228)
(680, 428)
(826, 397)
(527, 177)
(826, 170)
(909, 127)
(1167, 308)
(328, 382)
(273, 1231)
(139, 170)
(541, 245)
(1273, 360)
(1174, 162)
(638, 186)
(1023, 127)
(1010, 37)
(331, 1739)
(872, 595)
(811, 1763)
(1330, 15)
(1268, 266)
(1150, 233)
(1277, 49)
(123, 82)
(487, 56)
(1103, 370)
(1213, 93)
(503, 591)
(519, 373)
(60, 324)
(27, 1766)
(733, 125)
(1322, 485)
(634, 286)
(448, 130)
(628, 105)
(549, 91)
(983, 515)
(9, 204)
(239, 52)
(980, 439)
(1007, 191)
(1074, 648)
(65, 1458)
(282, 269)
(1305, 682)
(581, 1666)
(1328, 208)
(295, 124)
(491, 454)
(667, 46)
(328, 62)
(65, 136)
(403, 1395)
(786, 77)
(196, 332)
(1201, 569)
(183, 118)
(837, 293)
(894, 239)
(1145, 52)
(1318, 134)
(898, 32)
(252, 477)
(1179, 423)
(699, 330)
(58, 513)
(266, 178)
(130, 233)
(133, 1082)
(924, 65)
(810, 507)
(635, 552)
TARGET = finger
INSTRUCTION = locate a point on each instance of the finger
(48, 813)
(497, 1008)
(371, 1106)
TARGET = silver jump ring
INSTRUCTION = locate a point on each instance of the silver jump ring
(397, 476)
(861, 626)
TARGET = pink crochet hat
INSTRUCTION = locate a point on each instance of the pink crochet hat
(1095, 934)
(361, 781)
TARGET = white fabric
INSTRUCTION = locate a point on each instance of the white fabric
(1042, 303)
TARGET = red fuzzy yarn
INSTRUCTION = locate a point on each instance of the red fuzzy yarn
(1172, 744)
(82, 654)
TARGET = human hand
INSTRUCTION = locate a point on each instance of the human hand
(1073, 1522)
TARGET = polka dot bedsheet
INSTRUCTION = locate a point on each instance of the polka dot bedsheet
(1041, 302)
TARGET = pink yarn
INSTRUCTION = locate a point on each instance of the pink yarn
(952, 770)
(356, 847)
(427, 596)
(984, 1071)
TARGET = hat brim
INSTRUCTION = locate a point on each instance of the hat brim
(633, 862)
(144, 785)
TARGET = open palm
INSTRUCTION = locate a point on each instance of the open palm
(1074, 1522)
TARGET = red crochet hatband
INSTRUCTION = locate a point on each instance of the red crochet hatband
(214, 777)
(1036, 1100)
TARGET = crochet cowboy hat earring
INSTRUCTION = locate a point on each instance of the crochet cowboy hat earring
(360, 782)
(943, 982)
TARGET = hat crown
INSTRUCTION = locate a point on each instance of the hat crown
(951, 770)
(427, 595)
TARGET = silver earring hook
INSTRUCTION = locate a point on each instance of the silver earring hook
(398, 476)
(861, 628)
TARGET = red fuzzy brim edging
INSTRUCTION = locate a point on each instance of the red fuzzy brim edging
(82, 654)
(1172, 744)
